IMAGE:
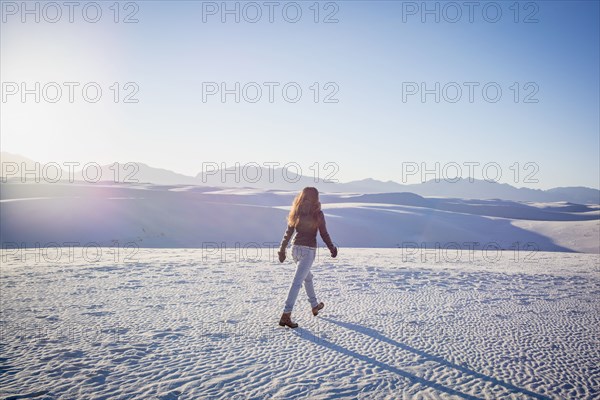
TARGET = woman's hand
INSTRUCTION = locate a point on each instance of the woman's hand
(334, 252)
(281, 254)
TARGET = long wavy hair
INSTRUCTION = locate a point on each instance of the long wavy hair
(305, 205)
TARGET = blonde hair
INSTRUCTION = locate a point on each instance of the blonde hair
(306, 204)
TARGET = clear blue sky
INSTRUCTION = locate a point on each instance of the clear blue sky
(368, 54)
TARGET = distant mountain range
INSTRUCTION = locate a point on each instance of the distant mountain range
(281, 179)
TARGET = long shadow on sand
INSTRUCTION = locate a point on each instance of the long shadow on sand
(308, 335)
(378, 336)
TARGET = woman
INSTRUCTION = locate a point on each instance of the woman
(305, 218)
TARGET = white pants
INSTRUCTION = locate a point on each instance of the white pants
(304, 257)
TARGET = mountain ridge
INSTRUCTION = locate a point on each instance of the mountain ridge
(277, 179)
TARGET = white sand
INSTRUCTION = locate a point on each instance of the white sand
(185, 324)
(191, 216)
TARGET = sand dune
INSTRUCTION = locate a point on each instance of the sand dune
(192, 216)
